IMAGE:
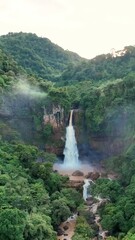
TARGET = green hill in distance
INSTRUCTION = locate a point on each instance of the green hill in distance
(37, 55)
(103, 67)
(44, 59)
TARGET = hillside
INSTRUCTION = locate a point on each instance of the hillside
(34, 198)
(23, 99)
(42, 58)
(38, 55)
(102, 68)
(9, 70)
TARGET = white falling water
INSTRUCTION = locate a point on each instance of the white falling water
(71, 159)
(87, 183)
(85, 189)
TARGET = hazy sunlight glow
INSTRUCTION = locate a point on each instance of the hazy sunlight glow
(88, 27)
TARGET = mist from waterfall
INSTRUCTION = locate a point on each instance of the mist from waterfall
(71, 159)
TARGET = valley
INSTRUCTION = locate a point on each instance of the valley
(41, 87)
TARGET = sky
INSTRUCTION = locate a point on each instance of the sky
(87, 27)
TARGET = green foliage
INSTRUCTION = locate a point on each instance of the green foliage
(74, 198)
(12, 224)
(7, 133)
(33, 199)
(60, 211)
(111, 238)
(47, 131)
(37, 55)
(61, 97)
(26, 154)
(39, 227)
(30, 192)
(109, 109)
(101, 68)
(106, 188)
(117, 215)
(83, 230)
(129, 236)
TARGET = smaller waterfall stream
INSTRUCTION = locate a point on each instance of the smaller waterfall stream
(85, 188)
(94, 207)
(71, 159)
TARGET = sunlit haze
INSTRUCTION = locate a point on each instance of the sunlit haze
(87, 27)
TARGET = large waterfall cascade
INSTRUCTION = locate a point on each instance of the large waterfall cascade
(71, 159)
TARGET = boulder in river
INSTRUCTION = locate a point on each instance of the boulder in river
(65, 227)
(93, 175)
(89, 201)
(75, 184)
(60, 232)
(77, 173)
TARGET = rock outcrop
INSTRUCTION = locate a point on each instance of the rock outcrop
(75, 184)
(93, 175)
(77, 173)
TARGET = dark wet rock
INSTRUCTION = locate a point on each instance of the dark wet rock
(65, 227)
(93, 175)
(103, 203)
(95, 228)
(92, 220)
(95, 238)
(75, 184)
(60, 232)
(77, 173)
(104, 175)
(89, 201)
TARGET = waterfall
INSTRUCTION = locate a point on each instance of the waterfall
(85, 189)
(71, 160)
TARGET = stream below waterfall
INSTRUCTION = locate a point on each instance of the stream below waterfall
(93, 208)
(70, 164)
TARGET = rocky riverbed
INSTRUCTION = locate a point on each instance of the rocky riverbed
(76, 180)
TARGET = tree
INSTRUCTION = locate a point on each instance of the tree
(129, 236)
(12, 224)
(82, 230)
(60, 211)
(38, 227)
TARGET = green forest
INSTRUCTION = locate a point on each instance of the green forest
(37, 76)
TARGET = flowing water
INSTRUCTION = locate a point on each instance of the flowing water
(85, 188)
(71, 163)
(71, 159)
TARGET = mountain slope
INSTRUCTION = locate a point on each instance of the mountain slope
(103, 67)
(38, 55)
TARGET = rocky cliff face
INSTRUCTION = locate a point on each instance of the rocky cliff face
(57, 142)
(58, 122)
(26, 117)
(57, 139)
(106, 145)
(109, 146)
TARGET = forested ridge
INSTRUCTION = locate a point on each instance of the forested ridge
(104, 90)
(38, 55)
